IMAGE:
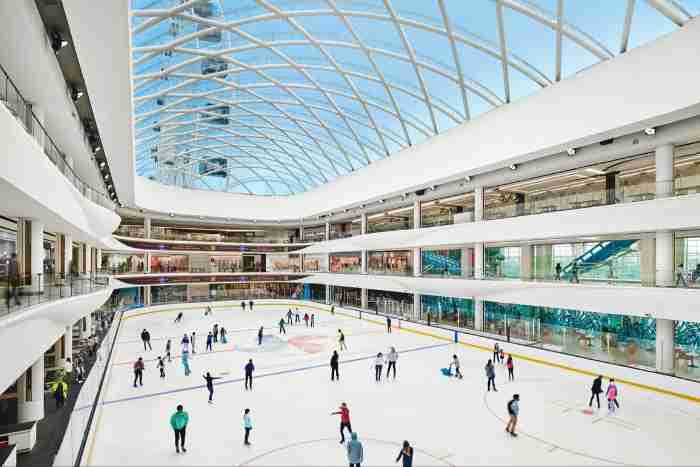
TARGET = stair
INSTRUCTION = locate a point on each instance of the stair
(597, 255)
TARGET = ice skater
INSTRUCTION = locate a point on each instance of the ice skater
(312, 319)
(146, 338)
(247, 427)
(297, 318)
(185, 342)
(210, 342)
(207, 311)
(501, 356)
(388, 325)
(260, 335)
(289, 317)
(222, 332)
(391, 359)
(210, 385)
(250, 305)
(378, 364)
(611, 394)
(185, 358)
(138, 371)
(334, 366)
(596, 391)
(306, 319)
(355, 451)
(509, 366)
(178, 422)
(344, 413)
(490, 376)
(496, 352)
(192, 341)
(161, 366)
(332, 309)
(341, 340)
(168, 346)
(513, 410)
(456, 365)
(215, 332)
(178, 318)
(281, 324)
(243, 306)
(249, 368)
(406, 455)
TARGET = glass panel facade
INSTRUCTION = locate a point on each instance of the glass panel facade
(456, 312)
(315, 263)
(502, 262)
(346, 296)
(396, 219)
(346, 262)
(391, 303)
(447, 263)
(390, 262)
(445, 210)
(116, 263)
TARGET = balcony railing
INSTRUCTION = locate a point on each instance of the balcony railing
(33, 289)
(22, 111)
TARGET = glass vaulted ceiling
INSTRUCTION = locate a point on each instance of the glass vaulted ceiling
(277, 97)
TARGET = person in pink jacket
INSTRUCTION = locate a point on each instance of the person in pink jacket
(611, 394)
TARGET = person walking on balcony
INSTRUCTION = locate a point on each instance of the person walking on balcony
(574, 272)
(13, 280)
(680, 276)
(557, 272)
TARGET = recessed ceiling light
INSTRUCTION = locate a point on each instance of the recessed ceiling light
(102, 165)
(650, 131)
(513, 167)
(433, 187)
(381, 201)
(571, 151)
(468, 178)
(172, 214)
(107, 177)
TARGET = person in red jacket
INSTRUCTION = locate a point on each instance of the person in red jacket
(138, 371)
(344, 413)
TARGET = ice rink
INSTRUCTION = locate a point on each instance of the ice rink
(448, 421)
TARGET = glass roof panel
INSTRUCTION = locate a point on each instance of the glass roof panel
(279, 96)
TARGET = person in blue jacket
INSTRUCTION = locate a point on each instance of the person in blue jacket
(355, 452)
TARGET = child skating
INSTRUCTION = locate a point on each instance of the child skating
(455, 363)
(378, 364)
(611, 394)
(247, 427)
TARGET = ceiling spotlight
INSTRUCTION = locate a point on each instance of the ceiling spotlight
(76, 94)
(201, 217)
(57, 42)
(381, 201)
(102, 164)
(468, 178)
(513, 167)
(571, 151)
(650, 131)
(107, 177)
(109, 187)
(96, 149)
(432, 187)
(172, 214)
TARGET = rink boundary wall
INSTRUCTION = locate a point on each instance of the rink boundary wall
(638, 378)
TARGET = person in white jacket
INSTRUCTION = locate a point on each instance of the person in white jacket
(378, 364)
(391, 358)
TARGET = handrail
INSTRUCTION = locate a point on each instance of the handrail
(21, 109)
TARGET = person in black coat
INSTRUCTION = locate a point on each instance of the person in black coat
(596, 391)
(334, 366)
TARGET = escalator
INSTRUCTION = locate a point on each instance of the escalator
(596, 256)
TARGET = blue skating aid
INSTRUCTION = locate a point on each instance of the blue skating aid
(446, 371)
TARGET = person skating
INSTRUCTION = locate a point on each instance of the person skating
(391, 359)
(249, 368)
(406, 455)
(247, 427)
(210, 342)
(146, 338)
(289, 317)
(243, 306)
(306, 319)
(192, 341)
(222, 332)
(596, 391)
(457, 366)
(513, 408)
(334, 366)
(185, 342)
(388, 325)
(502, 355)
(215, 332)
(496, 352)
(207, 311)
(138, 371)
(260, 335)
(341, 340)
(250, 305)
(161, 366)
(168, 346)
(490, 376)
(185, 358)
(281, 324)
(312, 319)
(178, 422)
(297, 318)
(344, 413)
(611, 394)
(378, 364)
(178, 318)
(332, 309)
(210, 385)
(355, 451)
(510, 367)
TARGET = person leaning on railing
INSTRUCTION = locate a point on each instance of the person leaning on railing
(13, 280)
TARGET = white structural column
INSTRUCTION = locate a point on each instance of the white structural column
(85, 326)
(665, 328)
(328, 294)
(30, 393)
(664, 239)
(417, 307)
(68, 253)
(328, 231)
(665, 338)
(364, 299)
(363, 223)
(68, 343)
(417, 266)
(527, 262)
(147, 295)
(98, 258)
(147, 262)
(478, 314)
(37, 256)
(478, 247)
(147, 227)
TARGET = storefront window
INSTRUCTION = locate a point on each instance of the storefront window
(345, 262)
(447, 263)
(169, 294)
(391, 303)
(315, 263)
(277, 263)
(116, 263)
(169, 263)
(346, 296)
(7, 248)
(502, 262)
(396, 219)
(456, 312)
(390, 262)
(448, 211)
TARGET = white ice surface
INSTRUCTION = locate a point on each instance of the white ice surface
(448, 421)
